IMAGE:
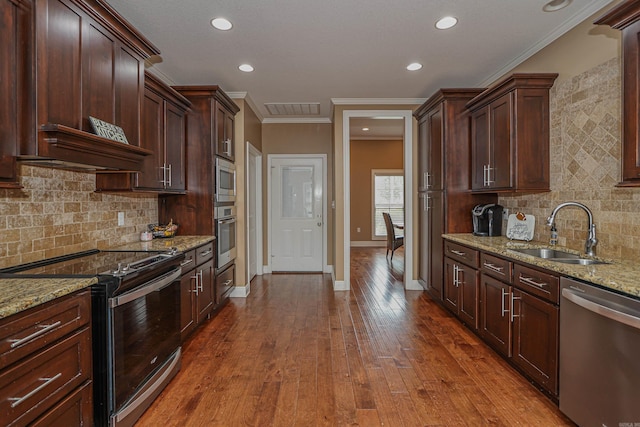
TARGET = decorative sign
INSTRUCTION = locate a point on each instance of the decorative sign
(107, 130)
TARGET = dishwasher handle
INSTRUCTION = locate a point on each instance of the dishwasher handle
(603, 310)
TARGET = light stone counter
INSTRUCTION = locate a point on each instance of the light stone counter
(21, 294)
(620, 275)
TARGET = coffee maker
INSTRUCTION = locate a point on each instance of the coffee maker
(487, 220)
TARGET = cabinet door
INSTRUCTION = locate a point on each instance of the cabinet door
(187, 303)
(206, 291)
(535, 339)
(434, 161)
(480, 157)
(436, 228)
(450, 292)
(500, 112)
(152, 174)
(424, 251)
(423, 153)
(224, 133)
(175, 147)
(468, 295)
(495, 322)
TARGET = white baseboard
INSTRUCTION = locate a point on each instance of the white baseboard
(413, 285)
(368, 243)
(241, 291)
(328, 269)
(266, 269)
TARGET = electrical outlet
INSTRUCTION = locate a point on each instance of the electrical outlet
(120, 219)
(358, 229)
(505, 214)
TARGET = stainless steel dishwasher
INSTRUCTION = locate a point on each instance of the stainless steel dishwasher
(599, 356)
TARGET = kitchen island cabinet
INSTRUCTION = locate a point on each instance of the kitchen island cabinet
(626, 17)
(46, 360)
(510, 135)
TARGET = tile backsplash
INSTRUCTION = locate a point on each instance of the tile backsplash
(585, 167)
(58, 212)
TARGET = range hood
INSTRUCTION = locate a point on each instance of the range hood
(67, 148)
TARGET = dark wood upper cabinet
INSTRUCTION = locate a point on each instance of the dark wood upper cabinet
(16, 85)
(626, 17)
(225, 137)
(194, 210)
(90, 62)
(163, 131)
(510, 135)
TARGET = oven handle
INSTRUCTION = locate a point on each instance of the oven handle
(227, 221)
(156, 285)
(602, 310)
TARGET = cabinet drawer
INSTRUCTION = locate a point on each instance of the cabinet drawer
(189, 261)
(225, 282)
(461, 253)
(29, 331)
(74, 410)
(497, 267)
(31, 387)
(204, 253)
(539, 283)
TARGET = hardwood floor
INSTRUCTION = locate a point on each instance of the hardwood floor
(296, 353)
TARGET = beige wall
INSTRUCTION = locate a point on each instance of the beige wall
(365, 156)
(294, 138)
(585, 109)
(57, 212)
(247, 129)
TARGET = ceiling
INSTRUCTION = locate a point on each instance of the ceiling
(330, 52)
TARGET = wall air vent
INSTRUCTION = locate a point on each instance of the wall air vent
(293, 108)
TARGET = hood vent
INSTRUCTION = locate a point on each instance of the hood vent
(293, 108)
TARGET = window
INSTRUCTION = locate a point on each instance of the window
(388, 196)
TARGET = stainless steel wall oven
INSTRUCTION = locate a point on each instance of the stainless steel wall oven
(225, 184)
(225, 217)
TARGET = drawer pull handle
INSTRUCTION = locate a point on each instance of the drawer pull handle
(47, 381)
(530, 281)
(493, 267)
(228, 282)
(44, 330)
(459, 253)
(205, 253)
(186, 262)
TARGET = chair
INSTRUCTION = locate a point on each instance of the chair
(393, 241)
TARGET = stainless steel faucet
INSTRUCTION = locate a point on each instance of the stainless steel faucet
(590, 244)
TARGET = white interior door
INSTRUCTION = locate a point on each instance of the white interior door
(252, 210)
(297, 214)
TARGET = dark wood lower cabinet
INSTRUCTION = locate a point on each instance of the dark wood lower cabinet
(461, 291)
(495, 318)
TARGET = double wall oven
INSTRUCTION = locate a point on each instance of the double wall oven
(135, 324)
(225, 218)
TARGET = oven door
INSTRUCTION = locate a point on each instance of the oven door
(225, 181)
(145, 326)
(226, 241)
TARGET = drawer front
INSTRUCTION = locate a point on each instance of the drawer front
(33, 386)
(496, 267)
(75, 410)
(204, 253)
(27, 332)
(539, 283)
(225, 282)
(461, 253)
(189, 261)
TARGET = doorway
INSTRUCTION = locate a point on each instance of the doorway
(407, 117)
(297, 212)
(254, 212)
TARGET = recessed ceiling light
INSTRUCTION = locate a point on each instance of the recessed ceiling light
(414, 66)
(365, 129)
(554, 5)
(221, 24)
(446, 22)
(246, 68)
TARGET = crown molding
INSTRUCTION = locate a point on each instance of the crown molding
(245, 96)
(378, 101)
(589, 10)
(292, 120)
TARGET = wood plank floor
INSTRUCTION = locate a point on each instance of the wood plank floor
(296, 353)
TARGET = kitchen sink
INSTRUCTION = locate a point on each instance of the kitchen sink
(556, 255)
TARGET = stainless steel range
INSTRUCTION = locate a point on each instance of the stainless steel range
(135, 324)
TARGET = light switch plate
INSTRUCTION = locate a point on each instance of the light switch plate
(120, 219)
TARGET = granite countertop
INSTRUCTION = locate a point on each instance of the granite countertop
(621, 275)
(17, 295)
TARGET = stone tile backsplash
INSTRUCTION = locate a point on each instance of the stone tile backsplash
(58, 212)
(585, 167)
